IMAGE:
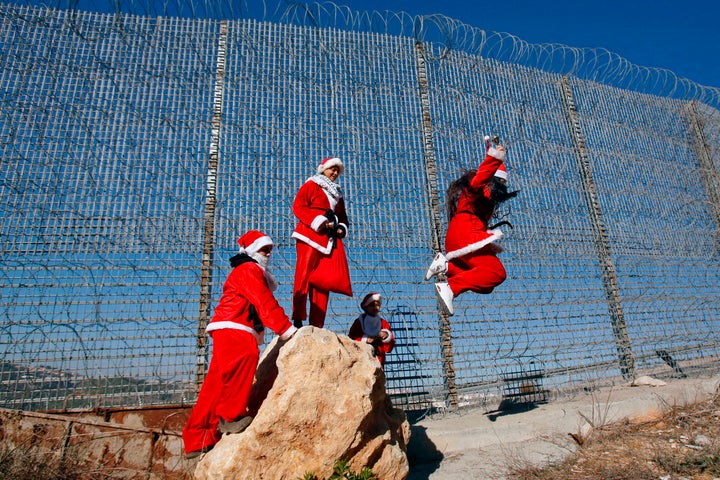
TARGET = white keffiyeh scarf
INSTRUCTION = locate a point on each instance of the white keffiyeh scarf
(332, 188)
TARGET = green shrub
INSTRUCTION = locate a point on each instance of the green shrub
(342, 472)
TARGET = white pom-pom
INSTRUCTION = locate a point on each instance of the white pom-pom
(487, 138)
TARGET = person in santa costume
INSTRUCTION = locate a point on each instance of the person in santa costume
(371, 328)
(471, 262)
(321, 266)
(246, 307)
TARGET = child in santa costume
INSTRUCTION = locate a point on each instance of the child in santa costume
(321, 266)
(371, 328)
(471, 262)
(246, 307)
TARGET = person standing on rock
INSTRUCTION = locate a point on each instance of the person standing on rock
(471, 262)
(246, 307)
(321, 266)
(371, 328)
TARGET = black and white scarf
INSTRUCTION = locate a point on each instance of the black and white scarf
(330, 187)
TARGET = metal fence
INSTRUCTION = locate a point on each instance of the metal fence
(134, 149)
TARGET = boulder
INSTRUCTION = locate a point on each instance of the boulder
(317, 398)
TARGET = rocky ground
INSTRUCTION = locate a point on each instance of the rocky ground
(667, 432)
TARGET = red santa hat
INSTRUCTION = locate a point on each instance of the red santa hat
(369, 298)
(253, 241)
(330, 162)
(501, 172)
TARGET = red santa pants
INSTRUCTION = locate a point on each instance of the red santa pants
(305, 264)
(226, 389)
(476, 273)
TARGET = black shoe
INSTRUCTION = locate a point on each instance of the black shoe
(297, 323)
(197, 453)
(234, 427)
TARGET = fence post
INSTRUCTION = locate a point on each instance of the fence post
(210, 204)
(622, 341)
(434, 216)
(708, 172)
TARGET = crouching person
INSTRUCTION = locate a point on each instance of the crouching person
(371, 328)
(246, 307)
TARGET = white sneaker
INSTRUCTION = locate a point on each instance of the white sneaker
(438, 265)
(446, 295)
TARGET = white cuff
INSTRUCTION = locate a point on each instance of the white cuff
(389, 337)
(495, 153)
(288, 333)
(318, 222)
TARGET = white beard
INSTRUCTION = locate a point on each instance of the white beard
(264, 261)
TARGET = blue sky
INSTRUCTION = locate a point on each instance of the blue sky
(680, 36)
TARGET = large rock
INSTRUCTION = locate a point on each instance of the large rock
(321, 398)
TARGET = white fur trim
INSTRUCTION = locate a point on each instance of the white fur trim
(318, 222)
(257, 244)
(495, 236)
(501, 174)
(315, 245)
(495, 153)
(288, 333)
(259, 336)
(389, 337)
(334, 161)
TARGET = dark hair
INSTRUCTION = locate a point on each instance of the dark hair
(454, 190)
(498, 194)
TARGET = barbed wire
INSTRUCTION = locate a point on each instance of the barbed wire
(104, 141)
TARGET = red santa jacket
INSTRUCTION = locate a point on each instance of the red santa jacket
(310, 205)
(358, 333)
(245, 287)
(468, 231)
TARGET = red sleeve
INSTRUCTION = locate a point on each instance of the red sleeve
(255, 289)
(307, 206)
(485, 172)
(356, 331)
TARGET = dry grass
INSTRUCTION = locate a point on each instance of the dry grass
(29, 462)
(683, 444)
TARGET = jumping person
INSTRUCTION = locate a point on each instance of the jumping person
(471, 262)
(371, 328)
(321, 266)
(246, 307)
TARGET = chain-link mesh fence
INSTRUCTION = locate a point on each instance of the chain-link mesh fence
(135, 149)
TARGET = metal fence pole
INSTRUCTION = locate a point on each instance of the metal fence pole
(434, 216)
(210, 204)
(622, 341)
(708, 172)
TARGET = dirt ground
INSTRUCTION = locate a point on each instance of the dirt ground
(664, 432)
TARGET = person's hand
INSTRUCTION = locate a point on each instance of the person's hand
(383, 335)
(340, 232)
